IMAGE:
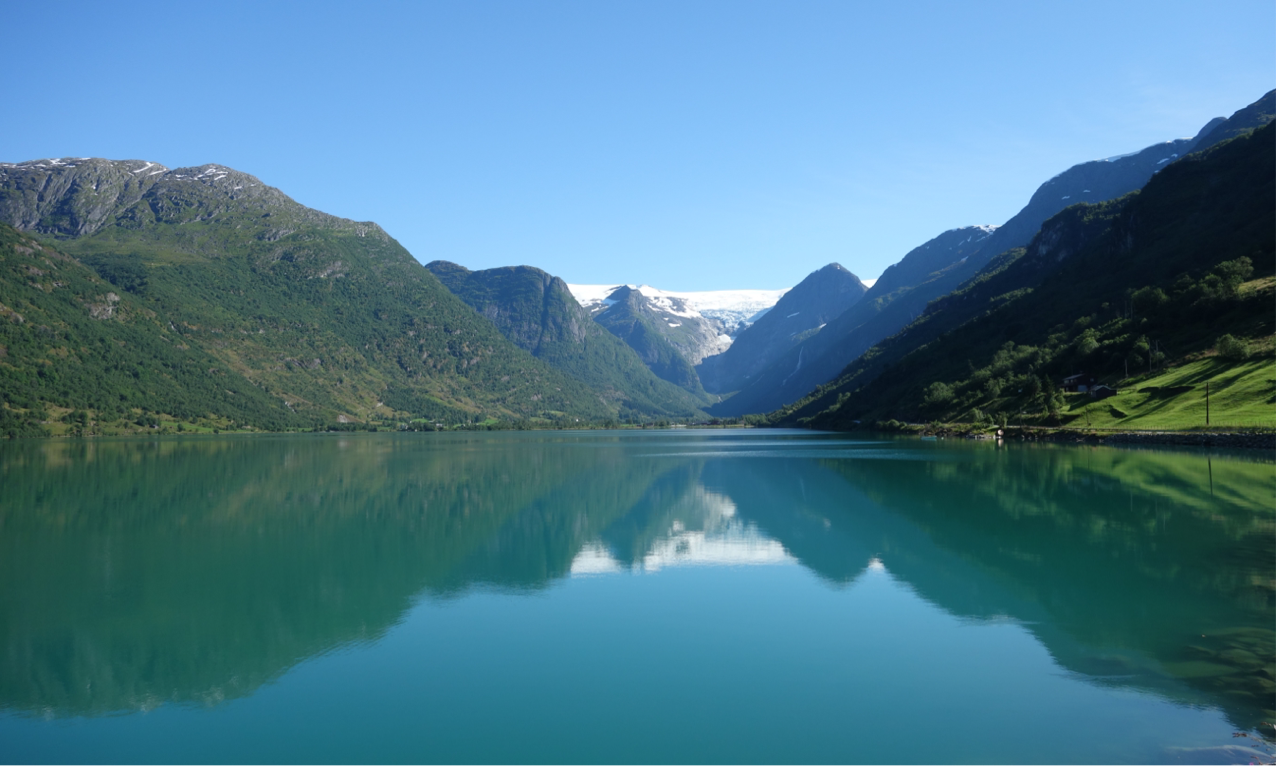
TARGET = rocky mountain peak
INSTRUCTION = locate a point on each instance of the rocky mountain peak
(801, 312)
(79, 196)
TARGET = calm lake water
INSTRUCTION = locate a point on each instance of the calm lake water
(693, 596)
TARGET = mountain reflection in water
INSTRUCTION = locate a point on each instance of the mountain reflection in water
(135, 573)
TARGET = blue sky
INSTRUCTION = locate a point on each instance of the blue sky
(687, 145)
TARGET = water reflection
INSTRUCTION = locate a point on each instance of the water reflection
(138, 573)
(1123, 563)
(678, 522)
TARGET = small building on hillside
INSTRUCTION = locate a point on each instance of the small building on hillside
(1078, 384)
(1103, 392)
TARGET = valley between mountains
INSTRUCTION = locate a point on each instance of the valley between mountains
(136, 298)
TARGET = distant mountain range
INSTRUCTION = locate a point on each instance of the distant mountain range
(730, 311)
(537, 312)
(821, 355)
(135, 296)
(674, 331)
(941, 265)
(820, 298)
(1101, 291)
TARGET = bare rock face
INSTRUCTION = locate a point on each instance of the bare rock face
(692, 334)
(72, 197)
(104, 309)
(77, 197)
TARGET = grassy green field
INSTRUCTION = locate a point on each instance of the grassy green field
(1242, 395)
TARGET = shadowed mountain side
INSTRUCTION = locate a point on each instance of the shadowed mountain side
(1092, 182)
(312, 543)
(1252, 117)
(815, 301)
(1209, 210)
(819, 357)
(537, 312)
(899, 298)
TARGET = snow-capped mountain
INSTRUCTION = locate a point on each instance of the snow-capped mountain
(728, 312)
(674, 331)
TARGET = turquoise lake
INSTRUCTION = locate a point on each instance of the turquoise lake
(673, 596)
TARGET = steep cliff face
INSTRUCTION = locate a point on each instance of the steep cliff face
(529, 306)
(538, 313)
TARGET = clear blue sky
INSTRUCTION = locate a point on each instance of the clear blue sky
(689, 145)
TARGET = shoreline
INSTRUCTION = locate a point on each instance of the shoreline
(1255, 440)
(1263, 440)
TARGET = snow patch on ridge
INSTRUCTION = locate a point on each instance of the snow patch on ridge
(711, 303)
(1116, 157)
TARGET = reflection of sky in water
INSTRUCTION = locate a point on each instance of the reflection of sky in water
(1025, 603)
(704, 531)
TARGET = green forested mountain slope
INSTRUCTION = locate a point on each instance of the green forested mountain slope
(1108, 290)
(892, 304)
(330, 319)
(632, 318)
(70, 339)
(537, 312)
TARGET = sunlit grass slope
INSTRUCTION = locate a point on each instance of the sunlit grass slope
(1241, 395)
